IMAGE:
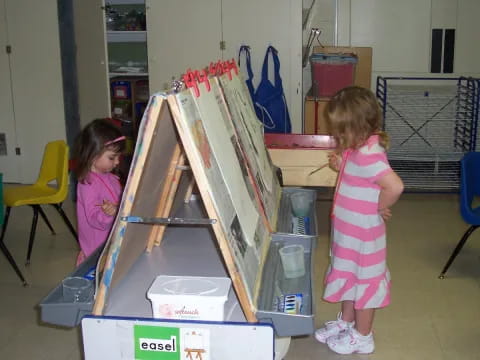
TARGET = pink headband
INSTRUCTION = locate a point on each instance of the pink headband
(120, 138)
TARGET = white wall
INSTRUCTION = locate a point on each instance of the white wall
(187, 33)
(36, 77)
(400, 33)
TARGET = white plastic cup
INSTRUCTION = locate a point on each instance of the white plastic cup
(301, 203)
(293, 260)
(77, 289)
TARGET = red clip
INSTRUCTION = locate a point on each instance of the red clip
(190, 82)
(233, 65)
(219, 67)
(226, 69)
(202, 77)
(213, 69)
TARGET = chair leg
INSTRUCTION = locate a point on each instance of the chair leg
(65, 219)
(5, 222)
(5, 251)
(457, 249)
(12, 262)
(32, 233)
(44, 217)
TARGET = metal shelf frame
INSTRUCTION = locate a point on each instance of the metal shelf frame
(432, 123)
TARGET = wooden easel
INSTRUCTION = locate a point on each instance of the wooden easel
(171, 129)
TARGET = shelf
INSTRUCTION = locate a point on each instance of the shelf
(133, 74)
(124, 2)
(126, 36)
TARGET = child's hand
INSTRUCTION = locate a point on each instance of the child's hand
(385, 213)
(334, 161)
(109, 208)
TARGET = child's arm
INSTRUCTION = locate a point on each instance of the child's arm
(391, 188)
(93, 205)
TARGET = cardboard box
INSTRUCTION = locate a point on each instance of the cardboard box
(312, 116)
(299, 155)
(363, 69)
(297, 164)
(189, 297)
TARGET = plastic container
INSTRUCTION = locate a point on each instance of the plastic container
(331, 73)
(301, 203)
(293, 260)
(189, 297)
(121, 89)
(77, 289)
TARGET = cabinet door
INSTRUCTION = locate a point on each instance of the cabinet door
(398, 31)
(9, 164)
(467, 47)
(92, 67)
(263, 23)
(36, 73)
(181, 34)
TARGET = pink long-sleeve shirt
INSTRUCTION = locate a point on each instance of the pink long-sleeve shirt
(93, 224)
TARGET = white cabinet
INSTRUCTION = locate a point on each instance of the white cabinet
(398, 32)
(188, 33)
(182, 34)
(467, 42)
(105, 50)
(31, 85)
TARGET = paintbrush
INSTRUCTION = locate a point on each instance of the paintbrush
(318, 169)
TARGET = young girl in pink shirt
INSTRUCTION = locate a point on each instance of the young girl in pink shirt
(97, 156)
(367, 187)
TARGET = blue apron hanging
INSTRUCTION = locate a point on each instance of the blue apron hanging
(246, 49)
(269, 99)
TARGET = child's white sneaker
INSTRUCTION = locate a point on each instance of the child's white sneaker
(332, 328)
(351, 341)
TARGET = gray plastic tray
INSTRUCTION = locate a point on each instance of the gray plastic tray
(54, 310)
(285, 214)
(275, 285)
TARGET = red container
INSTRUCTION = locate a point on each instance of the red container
(331, 72)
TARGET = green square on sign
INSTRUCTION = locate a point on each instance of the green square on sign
(156, 342)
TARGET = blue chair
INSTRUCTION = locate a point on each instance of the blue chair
(3, 247)
(469, 188)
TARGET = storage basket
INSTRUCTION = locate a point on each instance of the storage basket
(331, 73)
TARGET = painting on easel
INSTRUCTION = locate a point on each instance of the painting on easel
(238, 224)
(250, 136)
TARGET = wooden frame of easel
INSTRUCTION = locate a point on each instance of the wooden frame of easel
(159, 143)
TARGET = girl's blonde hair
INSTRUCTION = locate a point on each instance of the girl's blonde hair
(353, 115)
(96, 138)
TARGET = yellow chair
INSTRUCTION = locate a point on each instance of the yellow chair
(54, 168)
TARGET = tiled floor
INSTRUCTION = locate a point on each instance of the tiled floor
(428, 318)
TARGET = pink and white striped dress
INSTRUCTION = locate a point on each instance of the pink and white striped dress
(358, 269)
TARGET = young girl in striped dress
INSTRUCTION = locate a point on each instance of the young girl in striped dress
(366, 189)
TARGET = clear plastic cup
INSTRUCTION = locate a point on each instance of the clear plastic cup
(77, 289)
(301, 203)
(293, 260)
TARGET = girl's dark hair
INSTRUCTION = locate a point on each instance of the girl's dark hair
(353, 115)
(92, 142)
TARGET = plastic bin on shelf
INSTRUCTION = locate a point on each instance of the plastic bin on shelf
(331, 73)
(54, 310)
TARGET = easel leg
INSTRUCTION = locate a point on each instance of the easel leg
(170, 198)
(188, 194)
(165, 202)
